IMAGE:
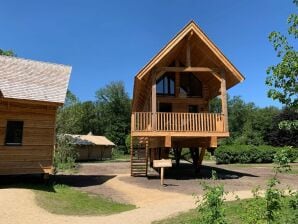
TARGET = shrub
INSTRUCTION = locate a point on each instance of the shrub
(211, 205)
(250, 154)
(65, 154)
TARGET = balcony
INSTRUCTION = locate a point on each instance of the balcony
(178, 124)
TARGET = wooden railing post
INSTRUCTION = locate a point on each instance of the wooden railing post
(224, 106)
(153, 101)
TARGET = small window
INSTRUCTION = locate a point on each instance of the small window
(14, 133)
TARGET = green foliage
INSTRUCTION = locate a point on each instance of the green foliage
(114, 107)
(128, 141)
(282, 160)
(9, 53)
(211, 206)
(255, 207)
(238, 212)
(277, 135)
(282, 78)
(226, 154)
(65, 154)
(109, 115)
(248, 124)
(273, 197)
(61, 199)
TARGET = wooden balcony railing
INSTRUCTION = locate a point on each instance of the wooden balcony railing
(177, 122)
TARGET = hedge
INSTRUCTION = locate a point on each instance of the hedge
(226, 154)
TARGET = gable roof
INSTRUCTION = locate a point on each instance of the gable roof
(33, 80)
(214, 59)
(91, 140)
(191, 27)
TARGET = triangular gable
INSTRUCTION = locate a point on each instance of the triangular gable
(192, 27)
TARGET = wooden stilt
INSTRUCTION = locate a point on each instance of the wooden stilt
(195, 157)
(177, 152)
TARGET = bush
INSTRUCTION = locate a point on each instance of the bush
(65, 154)
(250, 154)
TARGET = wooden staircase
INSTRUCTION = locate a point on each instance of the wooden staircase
(139, 156)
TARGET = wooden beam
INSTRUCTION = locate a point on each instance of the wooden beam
(224, 106)
(185, 69)
(153, 101)
(177, 80)
(188, 53)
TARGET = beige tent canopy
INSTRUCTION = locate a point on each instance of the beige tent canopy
(92, 147)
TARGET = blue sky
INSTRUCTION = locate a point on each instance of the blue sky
(112, 40)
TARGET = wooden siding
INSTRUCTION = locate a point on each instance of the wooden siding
(35, 155)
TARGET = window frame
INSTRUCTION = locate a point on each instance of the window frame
(166, 80)
(6, 140)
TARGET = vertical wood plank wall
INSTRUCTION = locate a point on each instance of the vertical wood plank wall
(36, 152)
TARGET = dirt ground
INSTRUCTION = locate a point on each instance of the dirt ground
(184, 180)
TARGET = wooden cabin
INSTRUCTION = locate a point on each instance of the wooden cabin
(30, 93)
(92, 147)
(170, 108)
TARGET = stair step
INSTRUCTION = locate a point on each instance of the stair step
(138, 161)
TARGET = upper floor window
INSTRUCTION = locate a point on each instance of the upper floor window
(190, 85)
(165, 85)
(14, 133)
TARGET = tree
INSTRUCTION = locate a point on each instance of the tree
(69, 116)
(7, 53)
(283, 78)
(114, 108)
(280, 136)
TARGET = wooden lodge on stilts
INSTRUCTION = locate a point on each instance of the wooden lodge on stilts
(170, 108)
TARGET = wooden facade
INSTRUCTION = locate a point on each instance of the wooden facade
(170, 109)
(35, 154)
(30, 94)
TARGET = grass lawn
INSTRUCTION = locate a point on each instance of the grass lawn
(61, 199)
(235, 212)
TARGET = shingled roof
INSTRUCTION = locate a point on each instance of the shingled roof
(33, 80)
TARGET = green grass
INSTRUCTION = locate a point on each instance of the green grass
(235, 212)
(61, 199)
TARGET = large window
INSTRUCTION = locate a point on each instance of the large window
(165, 85)
(190, 85)
(14, 133)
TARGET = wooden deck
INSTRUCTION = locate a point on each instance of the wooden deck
(178, 124)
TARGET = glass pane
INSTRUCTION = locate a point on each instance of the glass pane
(14, 132)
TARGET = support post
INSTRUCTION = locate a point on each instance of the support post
(188, 53)
(177, 152)
(153, 101)
(177, 80)
(224, 106)
(162, 171)
(201, 157)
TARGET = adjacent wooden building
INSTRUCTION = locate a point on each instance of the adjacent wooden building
(170, 108)
(30, 93)
(92, 147)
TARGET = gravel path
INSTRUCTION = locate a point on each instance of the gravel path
(17, 206)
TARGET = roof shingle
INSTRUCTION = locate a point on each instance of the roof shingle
(33, 80)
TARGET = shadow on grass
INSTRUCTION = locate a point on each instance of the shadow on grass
(186, 171)
(36, 182)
